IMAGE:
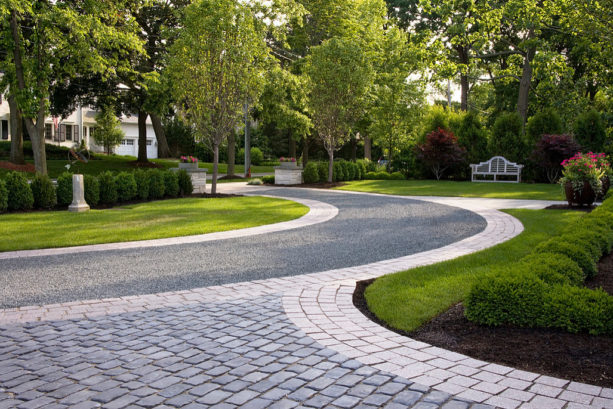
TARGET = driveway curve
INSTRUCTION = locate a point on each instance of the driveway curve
(366, 230)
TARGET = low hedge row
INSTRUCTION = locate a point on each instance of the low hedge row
(107, 188)
(545, 289)
(383, 175)
(342, 170)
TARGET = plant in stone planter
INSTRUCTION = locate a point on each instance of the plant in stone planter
(188, 162)
(582, 178)
(189, 159)
(286, 160)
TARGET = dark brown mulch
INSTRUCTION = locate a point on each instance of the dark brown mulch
(230, 177)
(567, 207)
(325, 185)
(28, 167)
(579, 357)
(216, 195)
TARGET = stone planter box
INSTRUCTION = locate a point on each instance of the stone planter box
(188, 165)
(198, 176)
(288, 176)
(289, 165)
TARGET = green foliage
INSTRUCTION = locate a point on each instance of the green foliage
(156, 184)
(574, 251)
(126, 186)
(180, 137)
(171, 183)
(64, 189)
(19, 193)
(269, 179)
(4, 196)
(361, 164)
(338, 173)
(43, 192)
(53, 152)
(108, 131)
(257, 157)
(185, 183)
(546, 122)
(348, 170)
(553, 268)
(310, 173)
(506, 139)
(383, 175)
(108, 188)
(322, 169)
(142, 184)
(473, 138)
(396, 176)
(590, 131)
(92, 190)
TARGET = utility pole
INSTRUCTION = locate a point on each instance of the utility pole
(247, 142)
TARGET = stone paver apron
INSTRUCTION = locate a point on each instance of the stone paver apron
(286, 341)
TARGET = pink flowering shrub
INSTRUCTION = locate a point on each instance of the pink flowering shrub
(189, 159)
(282, 159)
(585, 167)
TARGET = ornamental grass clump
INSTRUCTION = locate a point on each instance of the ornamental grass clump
(582, 168)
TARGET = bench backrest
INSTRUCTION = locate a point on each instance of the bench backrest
(497, 164)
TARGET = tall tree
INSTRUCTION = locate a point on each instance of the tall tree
(215, 65)
(340, 77)
(58, 41)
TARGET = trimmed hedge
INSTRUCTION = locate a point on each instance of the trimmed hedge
(92, 190)
(156, 184)
(126, 186)
(338, 174)
(185, 183)
(171, 183)
(310, 173)
(43, 192)
(19, 193)
(268, 179)
(108, 188)
(322, 169)
(544, 288)
(142, 184)
(4, 197)
(383, 175)
(64, 189)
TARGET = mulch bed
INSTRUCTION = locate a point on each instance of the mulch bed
(229, 177)
(586, 209)
(136, 164)
(28, 167)
(579, 357)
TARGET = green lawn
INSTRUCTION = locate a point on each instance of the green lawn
(408, 299)
(538, 191)
(121, 163)
(152, 220)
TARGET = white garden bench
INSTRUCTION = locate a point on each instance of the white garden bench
(497, 166)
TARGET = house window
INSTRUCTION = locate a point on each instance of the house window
(76, 133)
(5, 129)
(48, 130)
(69, 132)
(84, 132)
(129, 142)
(149, 142)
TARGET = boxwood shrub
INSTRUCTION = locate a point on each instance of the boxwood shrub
(64, 189)
(338, 174)
(268, 179)
(43, 192)
(574, 251)
(142, 184)
(156, 184)
(19, 193)
(4, 197)
(108, 188)
(553, 268)
(322, 169)
(185, 183)
(92, 190)
(171, 183)
(361, 163)
(310, 173)
(126, 186)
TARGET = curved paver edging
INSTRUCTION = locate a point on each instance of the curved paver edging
(319, 212)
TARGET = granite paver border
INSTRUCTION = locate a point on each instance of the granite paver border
(319, 212)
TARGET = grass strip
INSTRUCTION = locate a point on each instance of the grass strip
(152, 220)
(535, 191)
(408, 299)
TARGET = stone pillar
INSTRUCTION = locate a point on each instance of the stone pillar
(78, 195)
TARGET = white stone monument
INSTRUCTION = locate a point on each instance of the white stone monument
(78, 195)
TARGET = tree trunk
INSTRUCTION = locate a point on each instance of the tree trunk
(142, 137)
(247, 141)
(215, 168)
(367, 150)
(305, 152)
(464, 85)
(231, 153)
(524, 83)
(330, 164)
(16, 127)
(292, 147)
(160, 135)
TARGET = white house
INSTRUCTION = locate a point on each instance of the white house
(79, 126)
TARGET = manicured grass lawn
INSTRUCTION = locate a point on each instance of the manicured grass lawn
(121, 163)
(152, 220)
(465, 189)
(408, 299)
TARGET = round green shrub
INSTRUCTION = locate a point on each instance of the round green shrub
(43, 192)
(514, 298)
(573, 251)
(19, 193)
(382, 175)
(546, 122)
(310, 173)
(92, 190)
(4, 197)
(337, 172)
(171, 183)
(348, 170)
(257, 157)
(553, 268)
(64, 189)
(156, 184)
(356, 171)
(370, 175)
(126, 186)
(396, 176)
(361, 164)
(185, 183)
(322, 169)
(585, 240)
(108, 188)
(142, 184)
(268, 179)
